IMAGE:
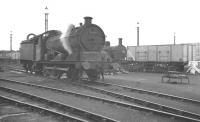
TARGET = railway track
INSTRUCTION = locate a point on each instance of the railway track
(182, 115)
(137, 90)
(15, 69)
(141, 101)
(39, 108)
(153, 93)
(66, 112)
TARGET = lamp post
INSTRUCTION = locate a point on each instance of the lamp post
(138, 29)
(174, 38)
(46, 19)
(11, 41)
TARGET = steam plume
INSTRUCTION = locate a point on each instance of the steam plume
(65, 39)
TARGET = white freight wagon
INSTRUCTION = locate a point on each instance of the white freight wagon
(177, 55)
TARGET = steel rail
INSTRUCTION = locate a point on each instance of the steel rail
(158, 94)
(15, 69)
(119, 103)
(42, 109)
(63, 108)
(142, 102)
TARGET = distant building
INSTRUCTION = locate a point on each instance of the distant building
(6, 55)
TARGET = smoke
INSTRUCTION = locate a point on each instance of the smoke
(65, 39)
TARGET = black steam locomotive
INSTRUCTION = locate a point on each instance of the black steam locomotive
(72, 53)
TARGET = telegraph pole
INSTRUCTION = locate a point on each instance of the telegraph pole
(138, 29)
(46, 19)
(11, 41)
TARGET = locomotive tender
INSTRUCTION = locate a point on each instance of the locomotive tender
(78, 51)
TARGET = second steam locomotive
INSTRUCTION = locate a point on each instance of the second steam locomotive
(75, 52)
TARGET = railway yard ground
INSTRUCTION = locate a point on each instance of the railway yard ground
(118, 112)
(152, 81)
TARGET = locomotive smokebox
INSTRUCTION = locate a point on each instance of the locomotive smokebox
(120, 41)
(88, 20)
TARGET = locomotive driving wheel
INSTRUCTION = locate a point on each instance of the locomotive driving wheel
(74, 74)
(92, 74)
(46, 72)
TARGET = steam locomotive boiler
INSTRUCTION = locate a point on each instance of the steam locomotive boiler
(56, 53)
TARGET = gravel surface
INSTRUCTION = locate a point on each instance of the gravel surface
(112, 111)
(148, 81)
(154, 99)
(173, 103)
(152, 81)
(9, 113)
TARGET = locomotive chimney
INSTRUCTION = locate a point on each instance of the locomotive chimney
(120, 41)
(88, 20)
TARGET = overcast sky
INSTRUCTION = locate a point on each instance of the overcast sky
(158, 19)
